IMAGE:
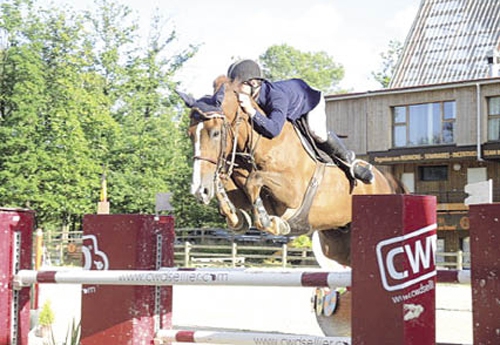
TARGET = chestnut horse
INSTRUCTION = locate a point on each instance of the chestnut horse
(284, 187)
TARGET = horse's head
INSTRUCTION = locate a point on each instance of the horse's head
(210, 132)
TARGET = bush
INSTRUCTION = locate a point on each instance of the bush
(46, 317)
(302, 241)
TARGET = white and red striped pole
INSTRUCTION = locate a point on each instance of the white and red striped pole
(179, 276)
(453, 276)
(167, 336)
(200, 276)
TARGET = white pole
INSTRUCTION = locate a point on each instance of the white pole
(176, 276)
(165, 336)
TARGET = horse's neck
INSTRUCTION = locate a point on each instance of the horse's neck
(284, 148)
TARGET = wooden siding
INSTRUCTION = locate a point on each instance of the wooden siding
(347, 118)
(367, 119)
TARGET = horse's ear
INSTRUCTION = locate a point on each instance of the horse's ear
(188, 99)
(219, 95)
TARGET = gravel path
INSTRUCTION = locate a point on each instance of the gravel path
(248, 308)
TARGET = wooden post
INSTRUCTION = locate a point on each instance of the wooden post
(187, 254)
(460, 260)
(234, 253)
(284, 255)
(38, 264)
(16, 245)
(485, 268)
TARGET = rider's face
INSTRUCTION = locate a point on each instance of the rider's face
(245, 88)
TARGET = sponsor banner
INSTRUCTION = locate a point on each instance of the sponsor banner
(394, 241)
(407, 260)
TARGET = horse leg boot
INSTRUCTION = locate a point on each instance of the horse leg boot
(237, 220)
(336, 149)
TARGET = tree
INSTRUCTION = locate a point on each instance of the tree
(389, 60)
(318, 69)
(78, 95)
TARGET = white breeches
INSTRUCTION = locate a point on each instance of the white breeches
(316, 119)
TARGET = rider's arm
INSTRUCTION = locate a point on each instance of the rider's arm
(271, 124)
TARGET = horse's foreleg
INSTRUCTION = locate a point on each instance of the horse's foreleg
(283, 192)
(237, 219)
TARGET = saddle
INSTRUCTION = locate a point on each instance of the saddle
(299, 223)
(306, 138)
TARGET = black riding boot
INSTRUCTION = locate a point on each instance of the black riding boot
(335, 148)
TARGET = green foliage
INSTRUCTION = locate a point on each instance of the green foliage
(302, 241)
(73, 334)
(317, 69)
(46, 317)
(389, 60)
(79, 96)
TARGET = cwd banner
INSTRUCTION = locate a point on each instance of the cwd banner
(394, 238)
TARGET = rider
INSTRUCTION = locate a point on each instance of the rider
(290, 100)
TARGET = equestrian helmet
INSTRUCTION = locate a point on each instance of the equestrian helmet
(245, 70)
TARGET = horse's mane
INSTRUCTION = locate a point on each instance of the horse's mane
(230, 88)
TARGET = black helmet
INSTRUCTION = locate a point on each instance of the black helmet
(244, 70)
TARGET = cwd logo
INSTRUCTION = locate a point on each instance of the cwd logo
(407, 260)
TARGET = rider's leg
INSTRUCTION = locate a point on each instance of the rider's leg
(332, 145)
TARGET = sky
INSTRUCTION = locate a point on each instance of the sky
(353, 32)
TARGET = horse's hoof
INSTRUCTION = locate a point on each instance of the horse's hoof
(244, 222)
(280, 226)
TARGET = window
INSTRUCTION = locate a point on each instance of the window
(494, 118)
(433, 173)
(424, 124)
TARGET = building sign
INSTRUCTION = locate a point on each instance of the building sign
(419, 157)
(452, 221)
(491, 153)
(435, 153)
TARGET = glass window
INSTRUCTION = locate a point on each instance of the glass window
(494, 106)
(494, 129)
(400, 136)
(424, 124)
(433, 173)
(448, 132)
(494, 118)
(449, 111)
(399, 114)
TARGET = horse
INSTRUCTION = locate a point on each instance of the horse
(285, 188)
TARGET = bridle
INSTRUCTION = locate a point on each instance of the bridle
(226, 161)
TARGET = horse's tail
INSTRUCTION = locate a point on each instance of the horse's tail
(398, 187)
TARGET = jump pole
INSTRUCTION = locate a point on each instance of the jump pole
(181, 276)
(170, 276)
(242, 338)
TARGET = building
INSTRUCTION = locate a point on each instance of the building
(449, 41)
(437, 127)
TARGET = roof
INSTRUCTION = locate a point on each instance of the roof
(449, 41)
(413, 89)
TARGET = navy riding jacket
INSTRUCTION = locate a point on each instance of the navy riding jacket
(281, 101)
